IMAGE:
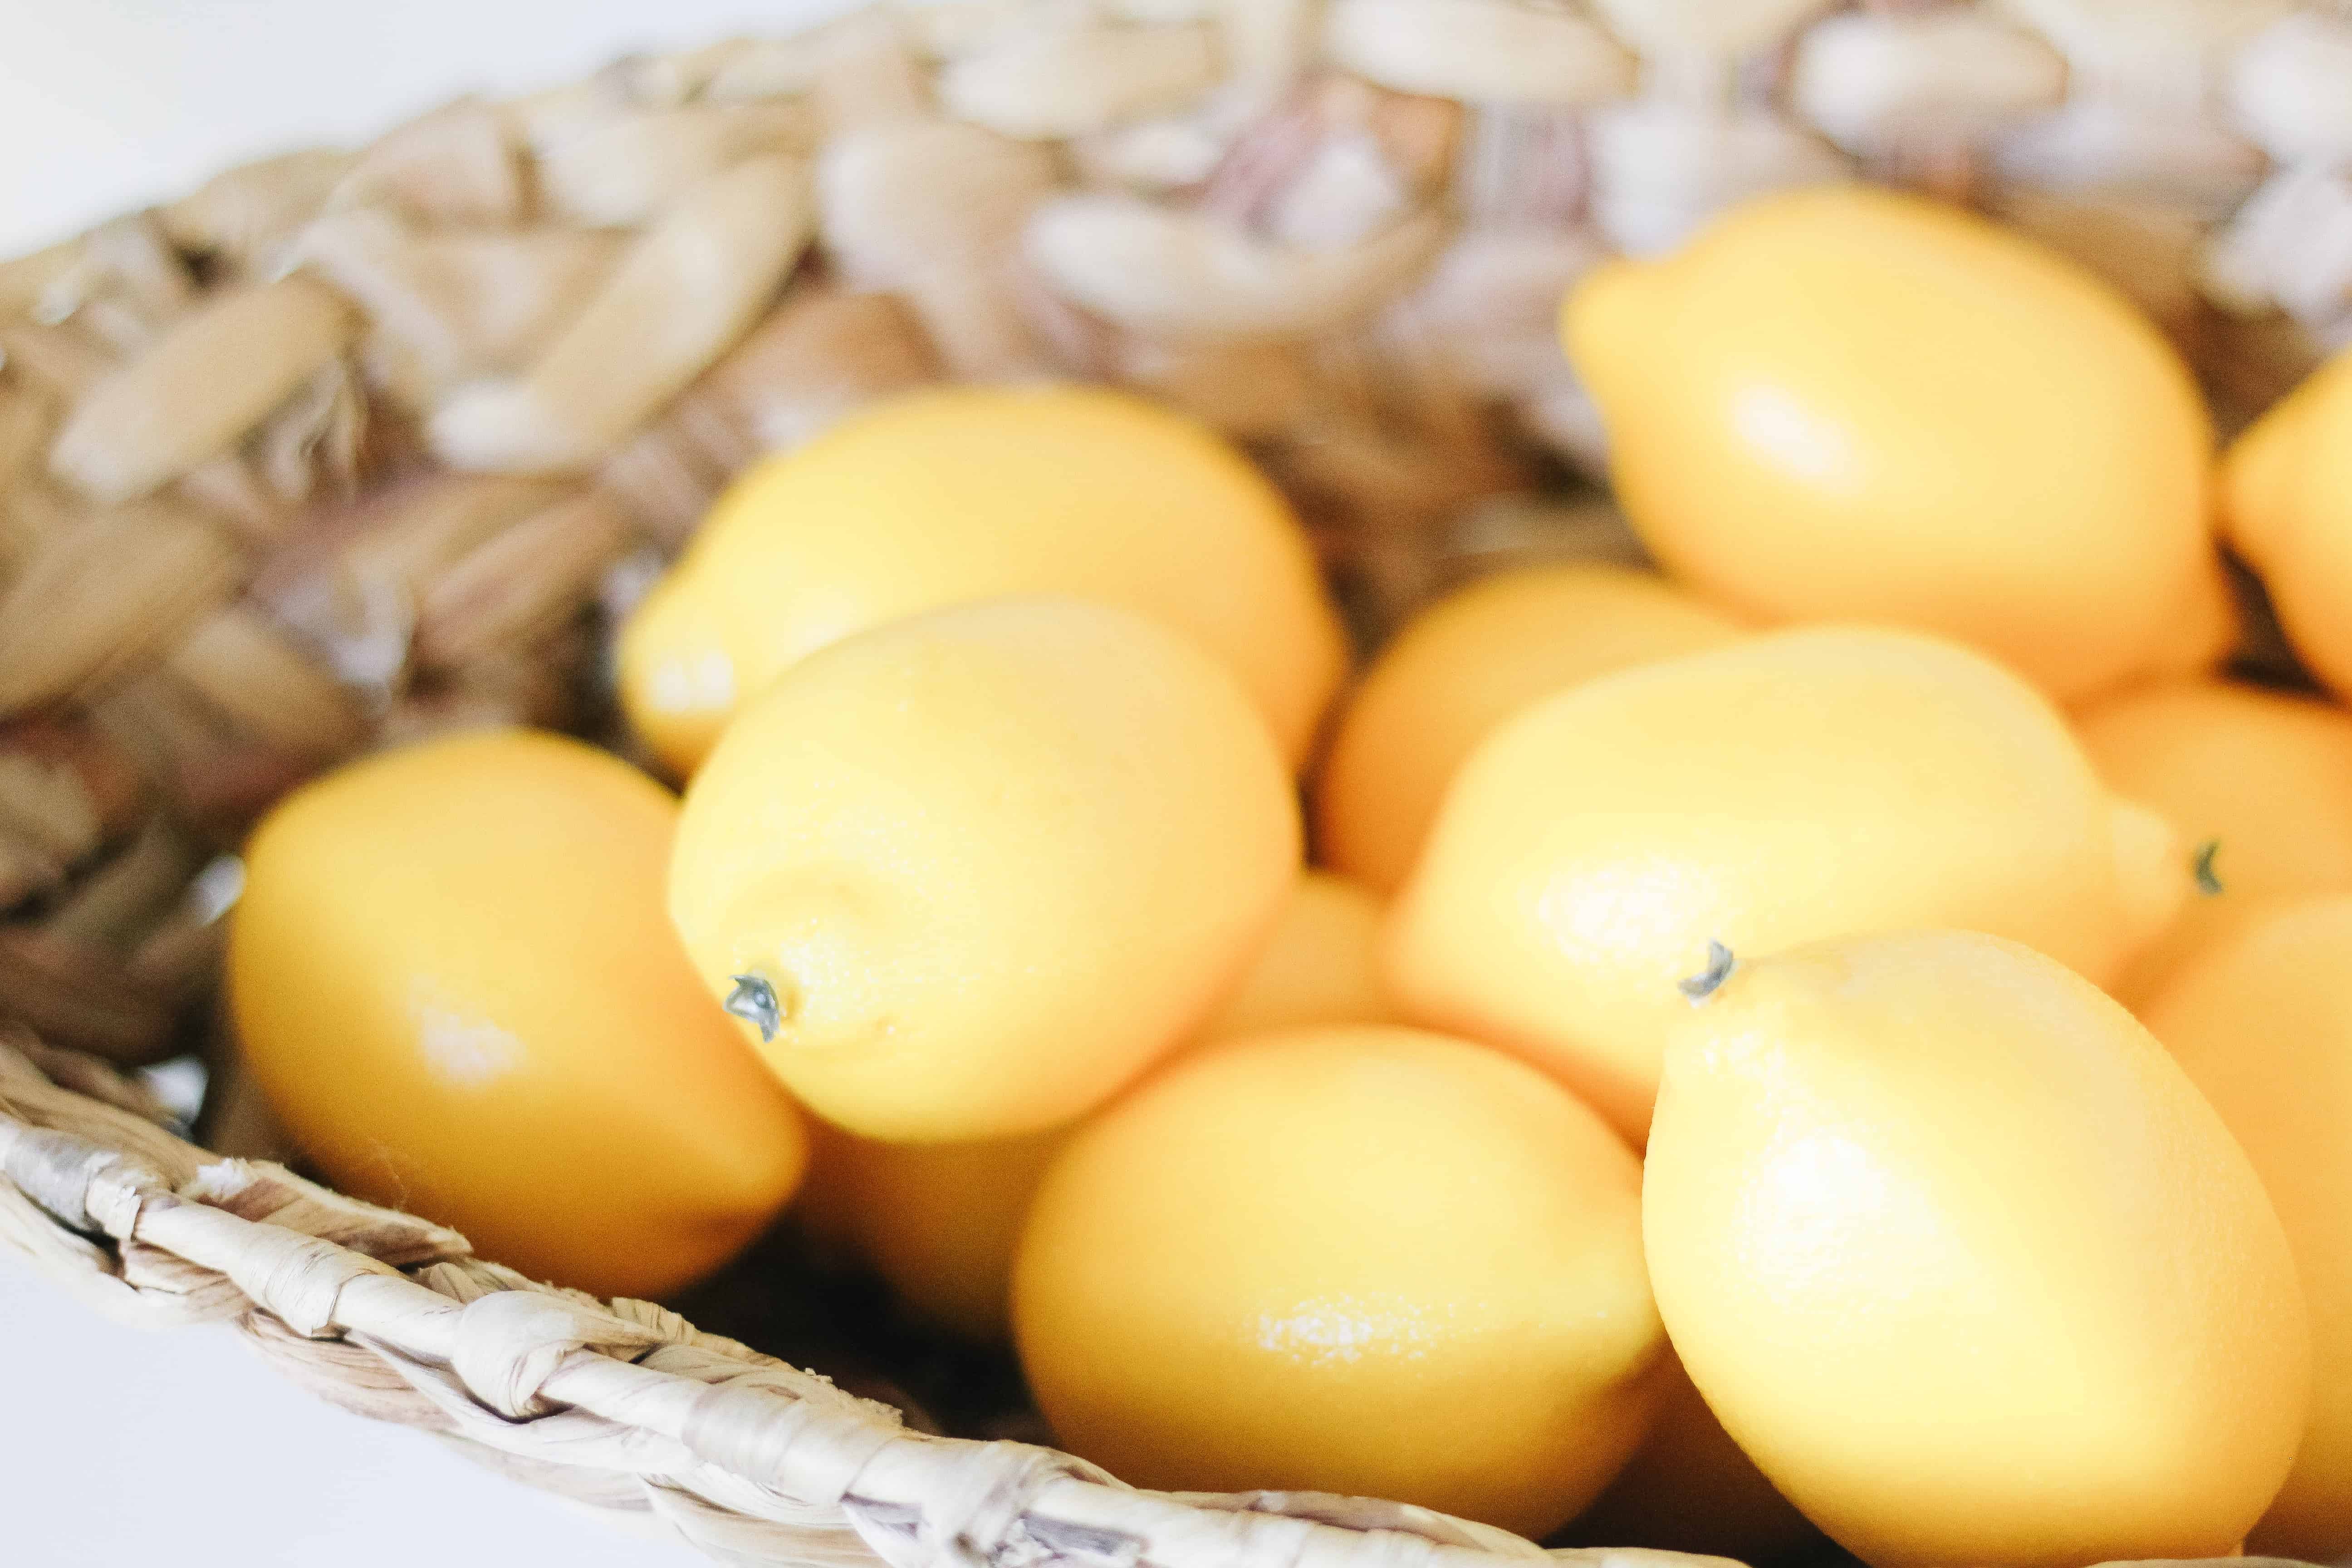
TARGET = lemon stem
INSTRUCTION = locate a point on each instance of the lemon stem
(1700, 986)
(754, 1000)
(2208, 883)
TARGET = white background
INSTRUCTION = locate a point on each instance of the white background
(121, 1448)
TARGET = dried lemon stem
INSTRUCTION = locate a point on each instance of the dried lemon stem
(2208, 882)
(754, 1001)
(1700, 986)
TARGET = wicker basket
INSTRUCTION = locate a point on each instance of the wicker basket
(345, 448)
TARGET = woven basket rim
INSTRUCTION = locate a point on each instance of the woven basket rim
(475, 1350)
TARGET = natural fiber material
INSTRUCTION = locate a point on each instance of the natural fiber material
(345, 448)
(622, 1405)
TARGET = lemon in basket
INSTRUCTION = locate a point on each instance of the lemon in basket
(938, 1221)
(452, 979)
(1689, 1487)
(964, 493)
(2260, 780)
(1358, 1259)
(1847, 403)
(1963, 1260)
(965, 875)
(1463, 666)
(2287, 503)
(2262, 1022)
(1777, 790)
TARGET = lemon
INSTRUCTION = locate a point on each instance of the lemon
(1463, 666)
(2261, 781)
(1781, 789)
(963, 876)
(1321, 965)
(938, 1221)
(452, 980)
(1690, 1488)
(2262, 1022)
(1846, 403)
(1963, 1260)
(947, 496)
(1358, 1259)
(2287, 506)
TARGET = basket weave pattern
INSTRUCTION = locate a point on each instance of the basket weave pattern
(347, 448)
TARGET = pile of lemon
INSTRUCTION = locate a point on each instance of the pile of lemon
(1695, 1097)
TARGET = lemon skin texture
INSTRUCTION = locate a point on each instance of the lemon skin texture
(940, 1221)
(1461, 667)
(452, 978)
(989, 863)
(1965, 1263)
(951, 495)
(2262, 1023)
(2265, 777)
(1362, 1259)
(2287, 507)
(1783, 789)
(1843, 402)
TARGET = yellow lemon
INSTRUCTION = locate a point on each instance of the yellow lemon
(965, 875)
(1321, 965)
(1846, 403)
(2261, 781)
(938, 1221)
(1690, 1488)
(964, 493)
(1963, 1260)
(2262, 1022)
(2286, 500)
(1461, 667)
(1781, 789)
(1358, 1259)
(454, 982)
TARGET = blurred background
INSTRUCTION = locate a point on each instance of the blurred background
(120, 1446)
(108, 104)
